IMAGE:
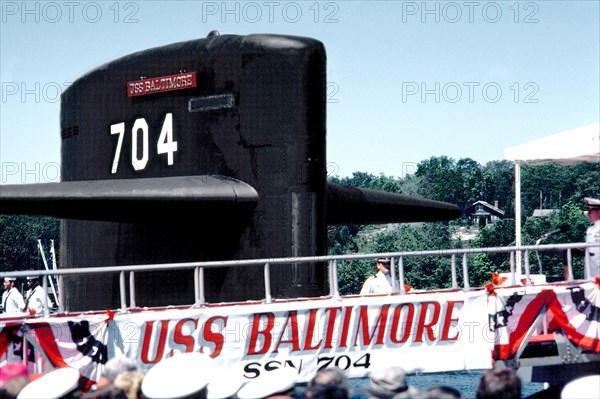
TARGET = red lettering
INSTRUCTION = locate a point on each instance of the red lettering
(330, 325)
(448, 321)
(363, 319)
(160, 345)
(345, 327)
(180, 338)
(429, 327)
(310, 327)
(266, 334)
(214, 337)
(292, 321)
(407, 324)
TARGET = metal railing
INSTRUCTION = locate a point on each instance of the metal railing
(199, 267)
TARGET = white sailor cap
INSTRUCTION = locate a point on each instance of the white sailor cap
(11, 278)
(224, 384)
(591, 203)
(582, 388)
(180, 376)
(52, 385)
(270, 383)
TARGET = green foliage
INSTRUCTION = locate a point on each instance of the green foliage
(352, 275)
(550, 186)
(573, 223)
(497, 183)
(464, 182)
(367, 180)
(342, 239)
(18, 241)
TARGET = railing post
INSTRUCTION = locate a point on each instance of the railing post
(401, 274)
(122, 290)
(132, 303)
(513, 279)
(196, 287)
(268, 298)
(61, 296)
(587, 273)
(201, 298)
(45, 286)
(393, 275)
(570, 276)
(527, 278)
(333, 281)
(465, 272)
(453, 268)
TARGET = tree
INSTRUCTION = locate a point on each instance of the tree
(572, 223)
(18, 241)
(438, 179)
(497, 184)
(443, 179)
(481, 266)
(462, 183)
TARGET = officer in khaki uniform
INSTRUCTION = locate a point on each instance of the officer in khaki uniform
(381, 282)
(592, 205)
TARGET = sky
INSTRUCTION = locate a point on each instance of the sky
(406, 80)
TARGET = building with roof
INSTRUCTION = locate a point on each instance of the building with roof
(482, 213)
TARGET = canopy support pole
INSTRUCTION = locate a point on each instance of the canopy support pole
(518, 216)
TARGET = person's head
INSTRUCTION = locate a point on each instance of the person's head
(327, 391)
(58, 383)
(13, 386)
(592, 206)
(183, 375)
(109, 392)
(328, 383)
(113, 368)
(9, 282)
(32, 281)
(130, 382)
(388, 382)
(499, 383)
(331, 376)
(438, 392)
(383, 265)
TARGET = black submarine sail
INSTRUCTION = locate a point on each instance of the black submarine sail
(210, 149)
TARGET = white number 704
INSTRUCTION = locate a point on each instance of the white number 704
(164, 145)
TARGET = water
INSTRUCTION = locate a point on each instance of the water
(464, 381)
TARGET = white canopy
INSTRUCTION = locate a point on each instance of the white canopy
(572, 146)
(576, 145)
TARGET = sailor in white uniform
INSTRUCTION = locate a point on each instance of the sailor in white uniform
(12, 300)
(381, 282)
(35, 297)
(592, 205)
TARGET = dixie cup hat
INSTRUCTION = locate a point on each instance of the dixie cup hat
(179, 376)
(55, 384)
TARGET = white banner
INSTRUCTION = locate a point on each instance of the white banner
(420, 332)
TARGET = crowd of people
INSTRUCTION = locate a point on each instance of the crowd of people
(195, 376)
